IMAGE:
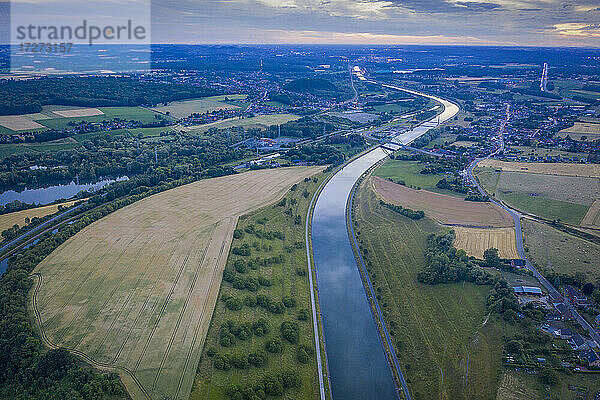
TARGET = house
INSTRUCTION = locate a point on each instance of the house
(577, 342)
(565, 313)
(564, 333)
(577, 298)
(590, 357)
(527, 290)
(517, 263)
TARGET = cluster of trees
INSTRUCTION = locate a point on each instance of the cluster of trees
(118, 155)
(318, 87)
(453, 184)
(316, 154)
(446, 264)
(477, 197)
(269, 385)
(305, 127)
(407, 212)
(28, 96)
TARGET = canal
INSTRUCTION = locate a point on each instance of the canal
(356, 358)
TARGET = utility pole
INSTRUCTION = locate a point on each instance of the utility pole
(155, 155)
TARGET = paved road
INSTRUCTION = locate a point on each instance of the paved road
(38, 228)
(516, 216)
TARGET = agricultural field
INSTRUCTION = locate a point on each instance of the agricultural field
(182, 109)
(475, 241)
(18, 217)
(274, 269)
(447, 347)
(560, 252)
(59, 117)
(562, 169)
(135, 291)
(582, 131)
(592, 217)
(527, 151)
(260, 122)
(409, 173)
(520, 385)
(448, 210)
(567, 198)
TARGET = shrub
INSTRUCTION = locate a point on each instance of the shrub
(290, 331)
(234, 304)
(274, 345)
(240, 266)
(289, 301)
(261, 327)
(303, 315)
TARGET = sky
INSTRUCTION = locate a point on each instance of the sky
(435, 22)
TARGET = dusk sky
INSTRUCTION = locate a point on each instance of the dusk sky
(494, 22)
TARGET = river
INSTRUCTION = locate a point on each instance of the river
(356, 357)
(52, 193)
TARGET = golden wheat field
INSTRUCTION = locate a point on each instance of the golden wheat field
(592, 217)
(135, 291)
(477, 240)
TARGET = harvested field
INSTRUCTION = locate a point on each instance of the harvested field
(556, 251)
(78, 112)
(136, 290)
(18, 217)
(590, 130)
(477, 240)
(18, 123)
(592, 217)
(446, 209)
(464, 143)
(563, 169)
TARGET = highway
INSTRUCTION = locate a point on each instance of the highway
(38, 228)
(516, 216)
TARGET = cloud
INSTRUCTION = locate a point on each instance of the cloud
(578, 29)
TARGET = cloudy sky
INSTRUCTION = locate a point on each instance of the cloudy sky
(494, 22)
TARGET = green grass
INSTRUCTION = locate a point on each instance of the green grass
(410, 173)
(589, 383)
(286, 281)
(570, 213)
(435, 329)
(514, 192)
(260, 121)
(57, 145)
(560, 252)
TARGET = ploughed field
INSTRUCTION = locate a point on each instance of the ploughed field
(135, 291)
(446, 209)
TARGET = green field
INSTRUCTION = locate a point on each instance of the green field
(439, 331)
(409, 172)
(520, 385)
(288, 280)
(128, 113)
(260, 121)
(183, 108)
(549, 196)
(560, 252)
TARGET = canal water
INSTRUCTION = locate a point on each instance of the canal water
(356, 358)
(50, 194)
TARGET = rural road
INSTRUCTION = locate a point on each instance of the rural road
(516, 216)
